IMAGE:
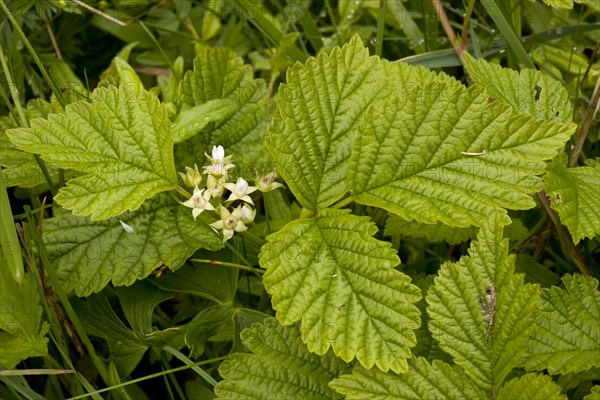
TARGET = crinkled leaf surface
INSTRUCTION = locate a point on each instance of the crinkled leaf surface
(281, 367)
(89, 254)
(236, 108)
(121, 140)
(21, 330)
(531, 387)
(320, 107)
(575, 195)
(566, 337)
(528, 91)
(487, 345)
(420, 141)
(332, 274)
(423, 381)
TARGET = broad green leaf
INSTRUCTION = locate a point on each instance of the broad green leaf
(531, 387)
(528, 92)
(594, 394)
(90, 254)
(332, 274)
(207, 323)
(320, 108)
(423, 381)
(566, 337)
(480, 312)
(121, 141)
(236, 105)
(447, 155)
(575, 194)
(21, 330)
(280, 367)
(138, 302)
(566, 4)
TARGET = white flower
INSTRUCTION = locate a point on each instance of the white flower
(248, 214)
(219, 164)
(230, 222)
(192, 177)
(199, 202)
(267, 182)
(240, 190)
(215, 187)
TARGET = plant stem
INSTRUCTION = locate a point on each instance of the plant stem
(226, 264)
(380, 27)
(586, 124)
(344, 202)
(458, 48)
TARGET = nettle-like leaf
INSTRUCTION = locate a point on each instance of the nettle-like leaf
(422, 381)
(89, 254)
(222, 104)
(280, 367)
(528, 92)
(566, 337)
(320, 108)
(447, 155)
(121, 140)
(575, 194)
(481, 312)
(332, 274)
(531, 387)
(396, 225)
(21, 330)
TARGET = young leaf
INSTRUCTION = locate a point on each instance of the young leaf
(319, 112)
(90, 254)
(531, 387)
(21, 330)
(449, 156)
(575, 195)
(281, 366)
(566, 337)
(528, 92)
(330, 272)
(422, 381)
(481, 313)
(121, 141)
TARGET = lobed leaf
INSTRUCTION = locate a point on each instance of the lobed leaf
(566, 337)
(280, 366)
(121, 141)
(89, 254)
(480, 312)
(332, 274)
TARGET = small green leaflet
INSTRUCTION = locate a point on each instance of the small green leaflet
(528, 92)
(121, 141)
(90, 254)
(280, 366)
(332, 274)
(531, 387)
(481, 313)
(575, 194)
(566, 337)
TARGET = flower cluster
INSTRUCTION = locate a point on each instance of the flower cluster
(211, 196)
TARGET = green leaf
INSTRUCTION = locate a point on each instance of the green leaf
(422, 381)
(320, 108)
(280, 367)
(449, 156)
(90, 254)
(566, 337)
(331, 273)
(594, 394)
(396, 225)
(575, 194)
(237, 107)
(481, 313)
(528, 92)
(531, 387)
(207, 323)
(565, 4)
(121, 141)
(138, 302)
(21, 330)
